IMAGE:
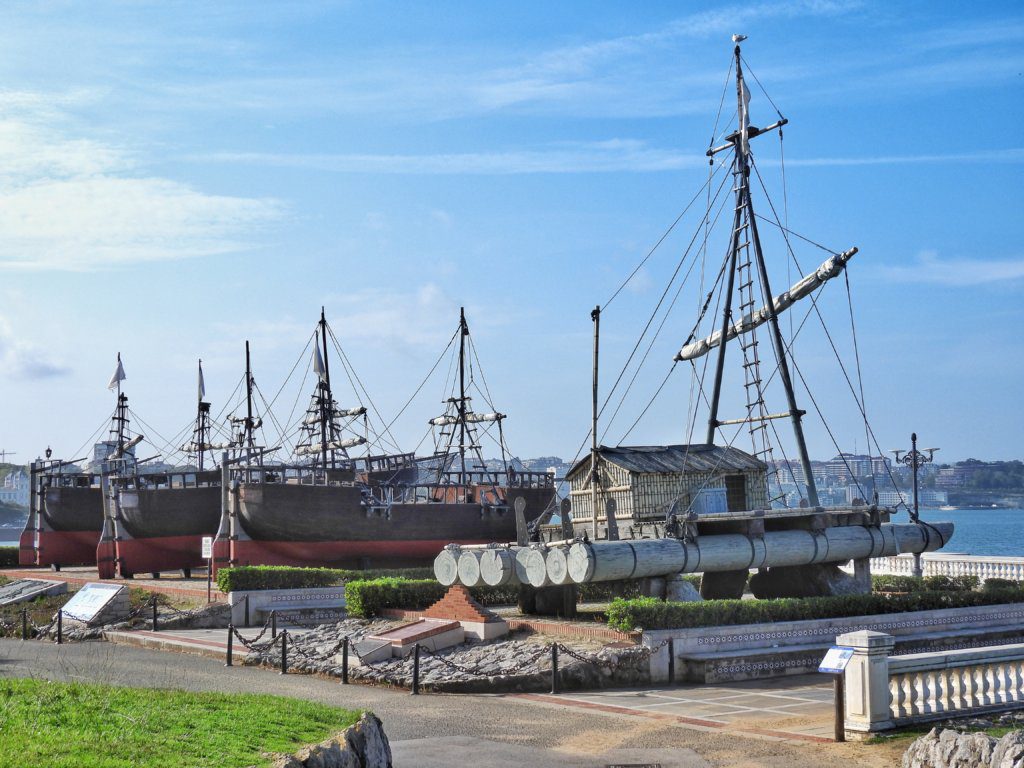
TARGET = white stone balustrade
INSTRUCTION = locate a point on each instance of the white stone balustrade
(884, 691)
(941, 564)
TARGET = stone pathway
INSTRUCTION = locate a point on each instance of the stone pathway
(171, 583)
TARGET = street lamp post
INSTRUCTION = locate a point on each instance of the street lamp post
(915, 460)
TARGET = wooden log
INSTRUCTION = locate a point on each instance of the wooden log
(520, 565)
(558, 566)
(446, 565)
(536, 567)
(613, 560)
(498, 566)
(469, 568)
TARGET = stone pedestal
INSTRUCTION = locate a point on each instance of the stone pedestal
(867, 682)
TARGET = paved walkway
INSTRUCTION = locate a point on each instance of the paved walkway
(435, 731)
(171, 583)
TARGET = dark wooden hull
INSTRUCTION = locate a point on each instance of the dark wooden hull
(169, 512)
(332, 521)
(71, 508)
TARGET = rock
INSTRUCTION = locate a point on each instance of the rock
(679, 590)
(723, 585)
(1009, 751)
(950, 749)
(376, 751)
(804, 581)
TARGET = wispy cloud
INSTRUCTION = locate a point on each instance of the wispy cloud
(22, 360)
(76, 203)
(612, 156)
(930, 268)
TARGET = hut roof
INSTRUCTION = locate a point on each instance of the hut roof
(700, 457)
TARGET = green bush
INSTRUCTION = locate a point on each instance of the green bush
(652, 613)
(8, 556)
(950, 583)
(889, 583)
(247, 577)
(366, 598)
(998, 584)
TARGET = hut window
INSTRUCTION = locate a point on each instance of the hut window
(736, 492)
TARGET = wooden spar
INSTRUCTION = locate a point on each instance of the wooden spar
(498, 566)
(596, 317)
(446, 565)
(614, 560)
(535, 564)
(469, 568)
(558, 566)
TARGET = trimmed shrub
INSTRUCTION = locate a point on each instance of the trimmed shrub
(8, 556)
(950, 583)
(651, 613)
(998, 584)
(366, 598)
(248, 577)
(888, 583)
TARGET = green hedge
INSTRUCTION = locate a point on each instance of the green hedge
(367, 597)
(247, 577)
(8, 556)
(652, 613)
(998, 584)
(889, 583)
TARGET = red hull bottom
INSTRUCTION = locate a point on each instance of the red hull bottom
(67, 547)
(27, 548)
(357, 554)
(166, 553)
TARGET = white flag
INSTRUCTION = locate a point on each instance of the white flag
(745, 118)
(318, 362)
(202, 384)
(118, 376)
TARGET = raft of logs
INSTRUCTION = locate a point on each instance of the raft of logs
(577, 562)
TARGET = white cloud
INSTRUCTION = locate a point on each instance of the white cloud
(930, 268)
(74, 203)
(22, 360)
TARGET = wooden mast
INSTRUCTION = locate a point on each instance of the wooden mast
(326, 397)
(595, 315)
(463, 333)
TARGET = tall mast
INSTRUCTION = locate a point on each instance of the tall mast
(463, 333)
(596, 317)
(202, 421)
(745, 211)
(326, 398)
(250, 441)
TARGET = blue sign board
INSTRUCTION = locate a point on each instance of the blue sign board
(835, 660)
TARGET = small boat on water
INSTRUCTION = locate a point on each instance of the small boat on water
(331, 508)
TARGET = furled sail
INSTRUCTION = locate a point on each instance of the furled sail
(337, 445)
(471, 418)
(194, 447)
(313, 417)
(828, 269)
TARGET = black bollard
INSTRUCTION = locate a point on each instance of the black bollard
(416, 669)
(24, 623)
(155, 627)
(671, 662)
(273, 625)
(231, 642)
(246, 611)
(344, 662)
(554, 667)
(60, 627)
(284, 651)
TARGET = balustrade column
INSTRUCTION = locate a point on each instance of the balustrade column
(867, 696)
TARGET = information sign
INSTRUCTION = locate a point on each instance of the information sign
(90, 600)
(835, 660)
(207, 547)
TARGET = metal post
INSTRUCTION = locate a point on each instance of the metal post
(416, 669)
(209, 580)
(840, 697)
(231, 642)
(554, 667)
(155, 628)
(246, 611)
(671, 661)
(918, 570)
(273, 624)
(595, 315)
(24, 623)
(344, 662)
(60, 627)
(284, 651)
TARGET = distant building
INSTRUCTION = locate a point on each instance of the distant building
(929, 497)
(15, 488)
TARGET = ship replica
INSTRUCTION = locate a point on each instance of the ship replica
(66, 507)
(155, 522)
(655, 512)
(332, 508)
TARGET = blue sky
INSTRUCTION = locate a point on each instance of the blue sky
(176, 178)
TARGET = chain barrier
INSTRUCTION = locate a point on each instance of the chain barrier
(523, 665)
(253, 643)
(294, 647)
(644, 653)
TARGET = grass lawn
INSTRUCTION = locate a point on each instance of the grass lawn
(99, 726)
